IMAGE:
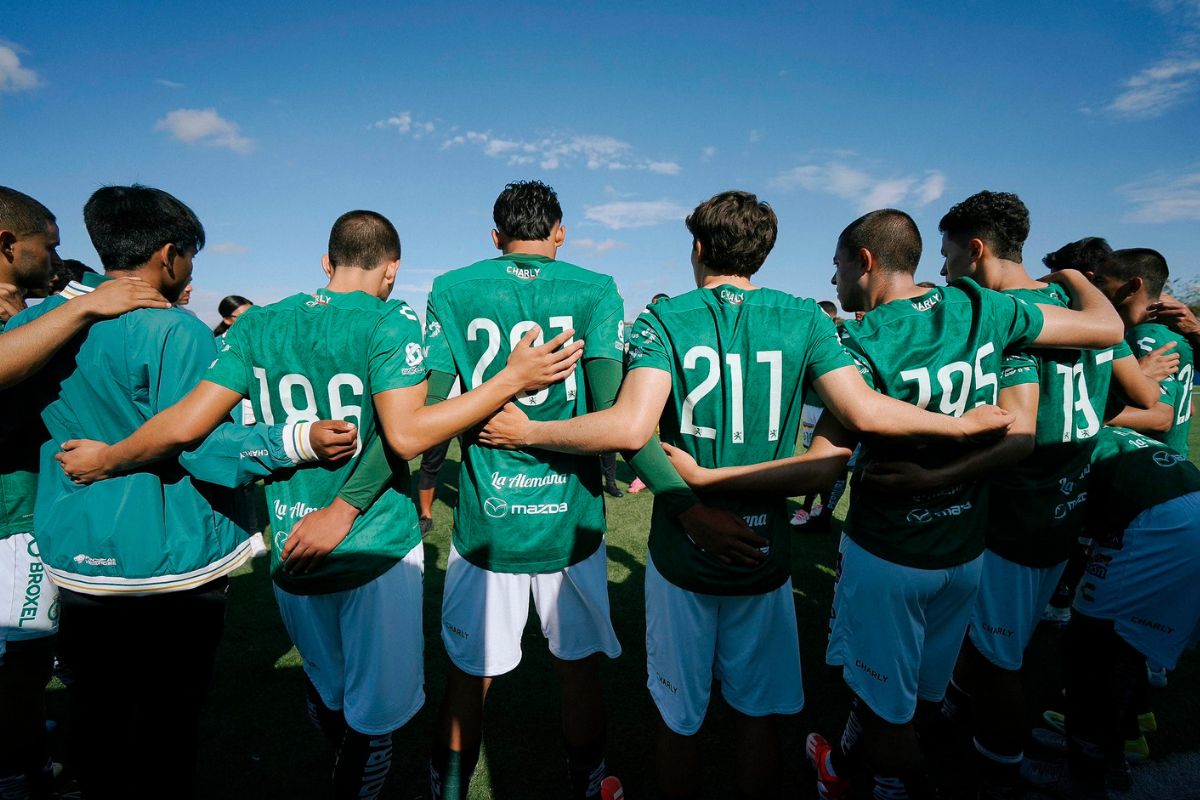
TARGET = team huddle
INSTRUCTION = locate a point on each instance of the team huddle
(1018, 444)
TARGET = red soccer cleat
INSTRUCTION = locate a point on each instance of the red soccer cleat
(830, 786)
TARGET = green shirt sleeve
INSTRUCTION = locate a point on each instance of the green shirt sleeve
(654, 468)
(603, 377)
(231, 368)
(437, 344)
(825, 350)
(647, 345)
(396, 359)
(602, 339)
(1018, 369)
(1018, 323)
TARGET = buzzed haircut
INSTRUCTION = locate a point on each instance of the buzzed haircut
(363, 239)
(891, 236)
(21, 214)
(736, 232)
(828, 307)
(659, 296)
(1084, 255)
(526, 211)
(1138, 262)
(128, 224)
(998, 218)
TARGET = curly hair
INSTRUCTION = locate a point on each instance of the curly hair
(998, 218)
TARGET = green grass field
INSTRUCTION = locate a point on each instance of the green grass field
(258, 743)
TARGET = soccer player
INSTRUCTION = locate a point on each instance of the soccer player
(719, 599)
(530, 522)
(28, 599)
(910, 562)
(141, 561)
(354, 612)
(1137, 601)
(1037, 481)
(1133, 279)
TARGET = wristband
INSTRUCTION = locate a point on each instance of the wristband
(297, 442)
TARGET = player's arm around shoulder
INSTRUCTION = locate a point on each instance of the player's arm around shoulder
(1091, 322)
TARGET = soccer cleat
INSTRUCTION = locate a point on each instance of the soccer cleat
(1056, 720)
(426, 525)
(637, 486)
(1136, 750)
(1156, 677)
(1147, 723)
(1047, 739)
(799, 517)
(830, 786)
(610, 487)
(611, 789)
(1057, 616)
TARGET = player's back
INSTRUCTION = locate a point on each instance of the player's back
(741, 362)
(1177, 388)
(524, 511)
(940, 351)
(322, 356)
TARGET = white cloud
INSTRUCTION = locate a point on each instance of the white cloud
(405, 124)
(13, 76)
(1171, 80)
(205, 127)
(557, 150)
(228, 248)
(169, 84)
(623, 214)
(1164, 198)
(866, 191)
(754, 135)
(597, 248)
(707, 153)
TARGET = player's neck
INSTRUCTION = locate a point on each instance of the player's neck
(1002, 275)
(1135, 310)
(354, 280)
(531, 247)
(892, 286)
(710, 280)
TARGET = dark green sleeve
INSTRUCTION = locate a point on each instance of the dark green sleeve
(374, 471)
(650, 463)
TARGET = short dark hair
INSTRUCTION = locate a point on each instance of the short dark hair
(232, 303)
(659, 296)
(526, 211)
(363, 239)
(76, 268)
(998, 218)
(1083, 255)
(891, 236)
(127, 224)
(828, 307)
(736, 232)
(1138, 262)
(21, 214)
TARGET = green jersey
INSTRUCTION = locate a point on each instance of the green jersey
(524, 511)
(940, 351)
(1177, 388)
(1037, 505)
(741, 362)
(322, 356)
(1132, 473)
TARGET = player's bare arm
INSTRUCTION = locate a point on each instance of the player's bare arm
(26, 349)
(822, 464)
(905, 477)
(410, 427)
(1138, 379)
(1153, 421)
(1091, 322)
(627, 425)
(184, 424)
(866, 411)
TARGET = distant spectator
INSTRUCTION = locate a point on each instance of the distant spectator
(659, 296)
(230, 308)
(66, 271)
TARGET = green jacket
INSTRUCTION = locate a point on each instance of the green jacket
(171, 525)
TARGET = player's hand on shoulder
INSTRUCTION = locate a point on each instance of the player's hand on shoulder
(113, 298)
(901, 477)
(316, 535)
(334, 441)
(535, 367)
(11, 302)
(83, 461)
(723, 535)
(692, 473)
(1175, 315)
(508, 428)
(1159, 364)
(984, 424)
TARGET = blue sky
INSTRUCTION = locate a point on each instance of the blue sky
(272, 119)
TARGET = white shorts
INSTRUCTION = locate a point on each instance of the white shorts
(484, 613)
(747, 642)
(1009, 607)
(809, 417)
(896, 631)
(363, 648)
(28, 598)
(1147, 587)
